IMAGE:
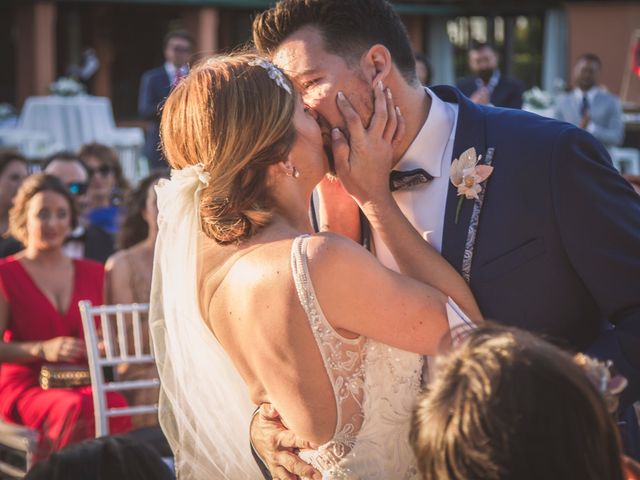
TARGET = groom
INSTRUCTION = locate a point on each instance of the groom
(552, 244)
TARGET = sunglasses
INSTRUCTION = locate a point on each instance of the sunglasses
(103, 170)
(77, 188)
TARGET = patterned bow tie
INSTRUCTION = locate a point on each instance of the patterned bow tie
(401, 180)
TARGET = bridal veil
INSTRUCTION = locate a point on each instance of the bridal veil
(204, 406)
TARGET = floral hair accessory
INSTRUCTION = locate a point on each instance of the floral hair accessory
(599, 374)
(466, 175)
(274, 73)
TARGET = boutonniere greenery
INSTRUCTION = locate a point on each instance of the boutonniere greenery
(467, 176)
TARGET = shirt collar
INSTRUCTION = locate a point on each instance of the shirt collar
(428, 148)
(493, 81)
(170, 68)
(591, 93)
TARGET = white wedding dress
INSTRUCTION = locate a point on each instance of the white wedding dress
(204, 404)
(375, 387)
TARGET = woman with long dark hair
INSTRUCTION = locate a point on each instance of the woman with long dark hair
(107, 185)
(13, 171)
(129, 279)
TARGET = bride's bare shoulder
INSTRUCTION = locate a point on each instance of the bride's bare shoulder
(248, 265)
(327, 248)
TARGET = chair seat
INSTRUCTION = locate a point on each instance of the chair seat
(17, 436)
(17, 445)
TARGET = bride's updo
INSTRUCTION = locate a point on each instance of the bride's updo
(235, 120)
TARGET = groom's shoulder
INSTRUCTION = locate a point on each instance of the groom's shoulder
(526, 130)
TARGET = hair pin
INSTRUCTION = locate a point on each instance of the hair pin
(274, 73)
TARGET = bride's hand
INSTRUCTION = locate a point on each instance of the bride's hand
(364, 161)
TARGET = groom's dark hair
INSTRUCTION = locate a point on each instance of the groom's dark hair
(349, 28)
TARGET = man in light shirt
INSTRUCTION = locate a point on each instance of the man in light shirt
(589, 105)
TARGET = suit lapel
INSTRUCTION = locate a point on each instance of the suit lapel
(470, 132)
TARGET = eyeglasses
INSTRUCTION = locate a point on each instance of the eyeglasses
(77, 188)
(103, 170)
(179, 49)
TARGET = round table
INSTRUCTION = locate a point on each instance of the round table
(70, 121)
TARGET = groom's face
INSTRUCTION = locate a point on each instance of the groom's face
(320, 75)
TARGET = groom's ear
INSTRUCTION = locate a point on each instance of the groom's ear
(376, 64)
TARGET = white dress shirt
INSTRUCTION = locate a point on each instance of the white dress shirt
(75, 248)
(424, 204)
(171, 70)
(591, 95)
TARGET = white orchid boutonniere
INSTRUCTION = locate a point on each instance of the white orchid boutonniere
(466, 175)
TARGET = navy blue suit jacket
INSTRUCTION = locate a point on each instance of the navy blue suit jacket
(507, 93)
(558, 244)
(154, 89)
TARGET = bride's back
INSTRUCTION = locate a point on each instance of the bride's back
(251, 304)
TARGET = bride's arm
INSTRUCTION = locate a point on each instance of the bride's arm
(360, 295)
(363, 166)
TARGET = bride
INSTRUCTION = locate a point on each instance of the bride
(249, 306)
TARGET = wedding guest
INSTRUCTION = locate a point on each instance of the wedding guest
(129, 281)
(86, 240)
(13, 171)
(506, 405)
(40, 320)
(424, 70)
(589, 105)
(155, 86)
(116, 457)
(486, 85)
(107, 185)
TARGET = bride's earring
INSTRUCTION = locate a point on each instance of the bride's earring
(293, 173)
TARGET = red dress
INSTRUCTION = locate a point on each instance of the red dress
(62, 415)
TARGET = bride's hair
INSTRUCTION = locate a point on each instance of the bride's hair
(235, 120)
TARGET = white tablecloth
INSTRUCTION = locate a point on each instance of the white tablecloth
(70, 121)
(53, 123)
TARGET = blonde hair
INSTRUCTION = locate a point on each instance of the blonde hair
(34, 184)
(236, 121)
(506, 405)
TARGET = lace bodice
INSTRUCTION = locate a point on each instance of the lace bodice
(342, 357)
(375, 387)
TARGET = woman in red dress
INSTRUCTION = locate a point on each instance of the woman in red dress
(40, 321)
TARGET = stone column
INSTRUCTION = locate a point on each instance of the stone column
(35, 48)
(44, 54)
(204, 24)
(207, 36)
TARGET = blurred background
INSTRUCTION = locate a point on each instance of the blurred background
(106, 46)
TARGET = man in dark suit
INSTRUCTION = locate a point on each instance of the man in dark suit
(86, 241)
(155, 87)
(553, 244)
(487, 85)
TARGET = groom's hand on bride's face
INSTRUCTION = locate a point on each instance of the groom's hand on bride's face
(277, 446)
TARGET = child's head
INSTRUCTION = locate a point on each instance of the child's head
(507, 405)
